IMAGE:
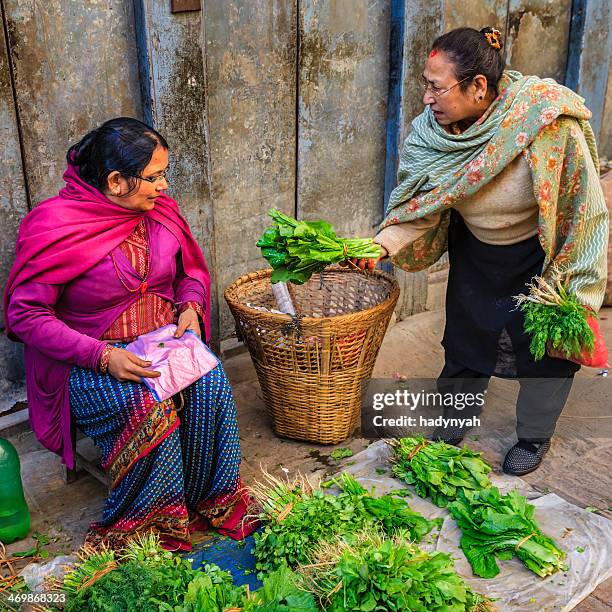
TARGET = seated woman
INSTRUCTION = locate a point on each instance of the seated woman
(106, 260)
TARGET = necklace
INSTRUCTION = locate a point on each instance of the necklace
(144, 284)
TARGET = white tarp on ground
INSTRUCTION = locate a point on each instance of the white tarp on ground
(515, 587)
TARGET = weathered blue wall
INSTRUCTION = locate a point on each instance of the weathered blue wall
(589, 63)
(342, 104)
(250, 50)
(173, 83)
(73, 65)
(13, 206)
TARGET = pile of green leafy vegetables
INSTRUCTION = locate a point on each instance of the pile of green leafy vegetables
(492, 525)
(373, 572)
(298, 249)
(495, 525)
(280, 592)
(144, 576)
(438, 470)
(296, 517)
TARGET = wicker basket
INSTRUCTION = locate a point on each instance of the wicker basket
(311, 369)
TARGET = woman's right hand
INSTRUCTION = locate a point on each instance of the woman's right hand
(126, 366)
(370, 264)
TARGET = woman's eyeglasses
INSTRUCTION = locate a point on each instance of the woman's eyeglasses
(151, 179)
(436, 91)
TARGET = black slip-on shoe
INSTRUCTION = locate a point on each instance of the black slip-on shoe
(525, 456)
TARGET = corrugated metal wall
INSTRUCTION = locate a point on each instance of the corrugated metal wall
(265, 103)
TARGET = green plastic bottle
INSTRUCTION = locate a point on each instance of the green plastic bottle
(14, 513)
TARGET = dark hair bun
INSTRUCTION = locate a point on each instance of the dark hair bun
(473, 52)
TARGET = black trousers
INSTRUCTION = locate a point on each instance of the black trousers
(539, 404)
(484, 329)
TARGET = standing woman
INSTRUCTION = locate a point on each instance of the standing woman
(106, 260)
(501, 169)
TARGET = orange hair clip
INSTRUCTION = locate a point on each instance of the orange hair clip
(493, 38)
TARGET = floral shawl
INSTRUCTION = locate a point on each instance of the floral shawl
(537, 118)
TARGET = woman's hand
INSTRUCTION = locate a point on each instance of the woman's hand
(188, 319)
(370, 264)
(126, 366)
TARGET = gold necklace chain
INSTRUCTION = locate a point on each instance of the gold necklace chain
(143, 285)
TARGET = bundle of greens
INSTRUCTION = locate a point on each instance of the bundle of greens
(554, 317)
(206, 593)
(143, 586)
(298, 249)
(279, 592)
(296, 517)
(143, 576)
(499, 526)
(91, 566)
(370, 572)
(438, 470)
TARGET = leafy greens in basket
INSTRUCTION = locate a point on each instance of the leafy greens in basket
(298, 249)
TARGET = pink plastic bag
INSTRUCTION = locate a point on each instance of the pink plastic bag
(181, 361)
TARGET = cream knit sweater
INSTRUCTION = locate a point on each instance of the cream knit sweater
(504, 211)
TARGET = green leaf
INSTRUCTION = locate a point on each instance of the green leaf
(495, 525)
(316, 516)
(341, 453)
(31, 552)
(303, 248)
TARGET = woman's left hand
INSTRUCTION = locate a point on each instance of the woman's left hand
(188, 319)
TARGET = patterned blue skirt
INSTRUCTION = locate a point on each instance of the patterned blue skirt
(171, 463)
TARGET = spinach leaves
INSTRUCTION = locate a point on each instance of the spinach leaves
(495, 525)
(492, 525)
(438, 470)
(298, 249)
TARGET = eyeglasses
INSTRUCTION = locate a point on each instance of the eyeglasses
(435, 91)
(152, 179)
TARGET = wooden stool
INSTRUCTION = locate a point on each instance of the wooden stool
(86, 458)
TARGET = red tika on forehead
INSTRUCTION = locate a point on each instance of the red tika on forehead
(433, 53)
